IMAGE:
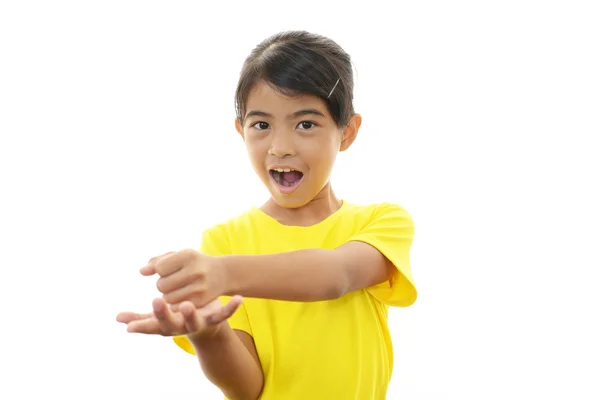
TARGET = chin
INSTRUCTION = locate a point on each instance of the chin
(287, 202)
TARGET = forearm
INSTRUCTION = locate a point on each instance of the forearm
(228, 364)
(304, 275)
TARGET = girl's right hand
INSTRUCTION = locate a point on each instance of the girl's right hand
(186, 321)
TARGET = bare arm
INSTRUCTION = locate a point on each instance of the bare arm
(229, 360)
(307, 275)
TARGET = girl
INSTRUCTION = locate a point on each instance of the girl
(315, 272)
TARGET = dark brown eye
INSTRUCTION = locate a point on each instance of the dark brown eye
(306, 125)
(261, 125)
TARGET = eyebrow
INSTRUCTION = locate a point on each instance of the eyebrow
(299, 113)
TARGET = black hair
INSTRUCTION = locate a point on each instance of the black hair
(297, 63)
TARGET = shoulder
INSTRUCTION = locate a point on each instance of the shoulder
(217, 238)
(376, 211)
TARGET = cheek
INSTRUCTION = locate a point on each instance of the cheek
(256, 156)
(322, 159)
(251, 147)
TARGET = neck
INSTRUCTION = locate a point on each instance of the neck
(322, 206)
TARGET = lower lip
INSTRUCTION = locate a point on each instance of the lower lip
(286, 189)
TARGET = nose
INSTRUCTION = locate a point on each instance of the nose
(282, 145)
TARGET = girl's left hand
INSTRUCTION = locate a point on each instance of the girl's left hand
(187, 275)
(163, 321)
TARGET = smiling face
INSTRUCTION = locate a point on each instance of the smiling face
(292, 143)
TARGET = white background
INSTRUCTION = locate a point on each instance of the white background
(481, 118)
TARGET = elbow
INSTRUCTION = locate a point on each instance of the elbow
(335, 292)
(238, 397)
(242, 397)
(251, 390)
(247, 394)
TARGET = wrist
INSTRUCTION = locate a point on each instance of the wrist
(227, 267)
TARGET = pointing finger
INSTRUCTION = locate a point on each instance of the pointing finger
(127, 317)
(148, 326)
(171, 263)
(150, 269)
(153, 259)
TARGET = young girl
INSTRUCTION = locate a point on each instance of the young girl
(317, 273)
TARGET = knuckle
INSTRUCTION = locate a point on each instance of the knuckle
(159, 316)
(198, 273)
(198, 289)
(157, 259)
(188, 253)
(169, 298)
(191, 255)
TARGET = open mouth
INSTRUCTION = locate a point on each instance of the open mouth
(287, 179)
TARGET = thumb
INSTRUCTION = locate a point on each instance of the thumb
(148, 270)
(225, 312)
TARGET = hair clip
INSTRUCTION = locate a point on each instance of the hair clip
(334, 86)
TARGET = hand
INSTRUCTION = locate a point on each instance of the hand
(187, 276)
(189, 320)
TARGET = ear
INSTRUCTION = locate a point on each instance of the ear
(238, 127)
(350, 132)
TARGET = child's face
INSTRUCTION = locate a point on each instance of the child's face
(292, 143)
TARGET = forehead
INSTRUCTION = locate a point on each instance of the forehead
(263, 97)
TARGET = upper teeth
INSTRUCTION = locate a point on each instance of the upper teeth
(283, 170)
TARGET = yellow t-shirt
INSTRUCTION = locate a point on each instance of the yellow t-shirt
(337, 349)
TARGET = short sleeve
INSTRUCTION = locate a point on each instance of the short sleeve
(391, 231)
(215, 243)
